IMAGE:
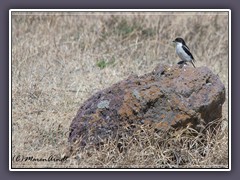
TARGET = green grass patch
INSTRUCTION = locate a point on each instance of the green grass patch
(104, 63)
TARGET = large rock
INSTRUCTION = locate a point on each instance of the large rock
(168, 97)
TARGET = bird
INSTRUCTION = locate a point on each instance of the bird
(183, 51)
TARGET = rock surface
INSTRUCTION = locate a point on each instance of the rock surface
(168, 97)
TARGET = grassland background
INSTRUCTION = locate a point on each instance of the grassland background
(60, 59)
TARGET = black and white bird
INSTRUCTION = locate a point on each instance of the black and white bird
(183, 51)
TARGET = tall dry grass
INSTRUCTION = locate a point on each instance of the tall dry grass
(61, 59)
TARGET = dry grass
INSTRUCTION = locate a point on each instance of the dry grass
(61, 59)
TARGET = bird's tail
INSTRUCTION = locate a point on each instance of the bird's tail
(193, 64)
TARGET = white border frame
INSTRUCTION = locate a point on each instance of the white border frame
(118, 10)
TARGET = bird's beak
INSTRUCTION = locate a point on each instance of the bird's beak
(174, 41)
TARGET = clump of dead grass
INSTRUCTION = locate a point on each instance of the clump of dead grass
(148, 148)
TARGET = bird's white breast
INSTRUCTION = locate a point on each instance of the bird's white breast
(181, 53)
